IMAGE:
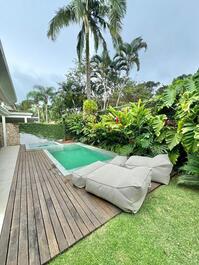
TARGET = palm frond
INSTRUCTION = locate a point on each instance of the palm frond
(64, 16)
(80, 42)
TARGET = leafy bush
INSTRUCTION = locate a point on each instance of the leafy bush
(170, 125)
(181, 100)
(191, 171)
(134, 126)
(74, 125)
(90, 107)
(49, 131)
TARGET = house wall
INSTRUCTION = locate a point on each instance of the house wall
(12, 134)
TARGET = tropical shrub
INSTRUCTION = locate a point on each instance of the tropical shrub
(132, 130)
(181, 101)
(191, 171)
(90, 107)
(74, 125)
(170, 125)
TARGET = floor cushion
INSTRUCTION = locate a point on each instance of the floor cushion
(125, 188)
(161, 166)
(119, 160)
(79, 176)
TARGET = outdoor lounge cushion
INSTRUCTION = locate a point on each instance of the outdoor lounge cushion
(161, 166)
(125, 188)
(119, 160)
(79, 176)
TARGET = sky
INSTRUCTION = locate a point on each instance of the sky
(170, 28)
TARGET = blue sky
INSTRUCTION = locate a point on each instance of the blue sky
(170, 27)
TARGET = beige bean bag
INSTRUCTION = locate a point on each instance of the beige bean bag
(161, 166)
(79, 176)
(119, 160)
(125, 188)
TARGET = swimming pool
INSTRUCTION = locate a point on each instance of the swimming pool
(73, 156)
(41, 145)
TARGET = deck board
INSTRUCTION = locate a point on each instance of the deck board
(45, 214)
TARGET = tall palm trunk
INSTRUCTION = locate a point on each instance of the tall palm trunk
(118, 98)
(88, 70)
(46, 110)
(121, 89)
(38, 114)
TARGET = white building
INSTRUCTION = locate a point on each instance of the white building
(9, 134)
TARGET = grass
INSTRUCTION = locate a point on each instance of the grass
(165, 231)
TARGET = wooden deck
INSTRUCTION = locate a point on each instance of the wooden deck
(45, 215)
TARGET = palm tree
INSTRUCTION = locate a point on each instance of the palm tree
(35, 98)
(127, 57)
(46, 93)
(93, 15)
(128, 54)
(103, 76)
(41, 94)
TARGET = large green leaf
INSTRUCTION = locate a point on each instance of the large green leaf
(196, 135)
(173, 138)
(191, 171)
(188, 140)
(169, 96)
(158, 123)
(173, 156)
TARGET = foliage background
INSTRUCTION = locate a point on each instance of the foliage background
(49, 131)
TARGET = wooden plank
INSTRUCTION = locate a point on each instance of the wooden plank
(105, 209)
(69, 238)
(12, 256)
(67, 210)
(69, 206)
(45, 214)
(77, 213)
(86, 225)
(41, 230)
(23, 253)
(93, 205)
(154, 185)
(61, 209)
(5, 232)
(61, 240)
(84, 206)
(52, 242)
(34, 257)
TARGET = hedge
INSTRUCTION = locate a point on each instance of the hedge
(49, 131)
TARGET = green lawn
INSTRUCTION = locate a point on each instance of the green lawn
(165, 231)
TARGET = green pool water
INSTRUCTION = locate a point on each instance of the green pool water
(74, 156)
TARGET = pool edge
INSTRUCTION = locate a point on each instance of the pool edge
(66, 173)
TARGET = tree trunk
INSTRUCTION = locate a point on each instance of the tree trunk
(38, 114)
(118, 99)
(104, 105)
(88, 70)
(46, 113)
(105, 95)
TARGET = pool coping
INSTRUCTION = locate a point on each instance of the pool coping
(28, 148)
(68, 173)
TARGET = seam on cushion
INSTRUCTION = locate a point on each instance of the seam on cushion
(118, 187)
(90, 172)
(93, 170)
